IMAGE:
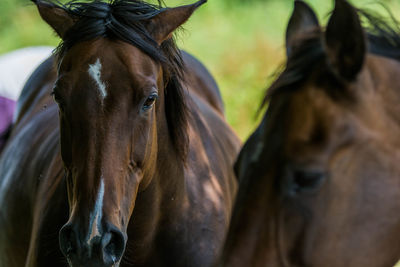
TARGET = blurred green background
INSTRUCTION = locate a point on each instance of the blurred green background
(240, 41)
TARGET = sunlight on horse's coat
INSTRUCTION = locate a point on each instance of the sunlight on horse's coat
(95, 73)
(95, 220)
(214, 192)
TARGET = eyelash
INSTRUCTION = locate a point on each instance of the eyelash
(149, 103)
(57, 99)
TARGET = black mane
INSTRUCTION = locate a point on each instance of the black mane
(383, 34)
(383, 38)
(126, 20)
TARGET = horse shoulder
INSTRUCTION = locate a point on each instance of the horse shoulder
(209, 174)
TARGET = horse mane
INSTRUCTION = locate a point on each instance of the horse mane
(383, 34)
(383, 37)
(125, 20)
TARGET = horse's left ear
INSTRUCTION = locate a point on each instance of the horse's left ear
(302, 22)
(55, 16)
(164, 24)
(345, 41)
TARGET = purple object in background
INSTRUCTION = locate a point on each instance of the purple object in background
(15, 69)
(7, 107)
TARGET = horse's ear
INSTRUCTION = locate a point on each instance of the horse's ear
(167, 21)
(55, 16)
(302, 21)
(345, 41)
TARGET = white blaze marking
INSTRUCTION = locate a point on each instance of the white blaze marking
(95, 218)
(95, 73)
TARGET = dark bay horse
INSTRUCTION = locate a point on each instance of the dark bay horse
(320, 177)
(133, 165)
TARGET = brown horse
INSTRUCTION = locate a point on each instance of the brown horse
(133, 166)
(320, 177)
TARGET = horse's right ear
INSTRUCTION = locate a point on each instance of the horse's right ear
(55, 16)
(345, 41)
(168, 20)
(302, 21)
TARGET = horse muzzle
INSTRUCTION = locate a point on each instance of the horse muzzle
(102, 249)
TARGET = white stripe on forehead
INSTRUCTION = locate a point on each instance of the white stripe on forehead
(95, 72)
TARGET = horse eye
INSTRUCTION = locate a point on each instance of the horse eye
(54, 95)
(306, 181)
(302, 181)
(57, 99)
(148, 104)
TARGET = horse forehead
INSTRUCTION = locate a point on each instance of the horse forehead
(113, 60)
(94, 71)
(109, 68)
(119, 51)
(111, 50)
(136, 61)
(300, 112)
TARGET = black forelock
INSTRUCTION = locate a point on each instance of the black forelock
(115, 19)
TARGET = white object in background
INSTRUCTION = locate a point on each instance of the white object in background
(17, 66)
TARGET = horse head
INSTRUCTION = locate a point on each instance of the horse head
(319, 177)
(118, 92)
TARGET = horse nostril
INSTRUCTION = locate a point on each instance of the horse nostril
(106, 249)
(68, 240)
(113, 244)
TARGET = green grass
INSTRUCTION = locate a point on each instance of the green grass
(241, 42)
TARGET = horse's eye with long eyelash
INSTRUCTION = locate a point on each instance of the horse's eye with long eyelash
(148, 104)
(54, 93)
(57, 99)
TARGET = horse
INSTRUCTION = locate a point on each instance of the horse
(319, 179)
(15, 68)
(120, 154)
